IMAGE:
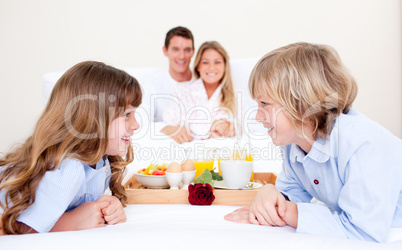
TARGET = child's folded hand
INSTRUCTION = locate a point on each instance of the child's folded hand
(268, 207)
(114, 212)
(240, 215)
(85, 216)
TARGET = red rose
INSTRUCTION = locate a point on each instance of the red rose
(200, 194)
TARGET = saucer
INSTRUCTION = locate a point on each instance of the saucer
(222, 185)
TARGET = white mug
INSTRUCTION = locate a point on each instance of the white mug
(236, 173)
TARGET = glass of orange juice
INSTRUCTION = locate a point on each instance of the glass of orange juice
(203, 159)
(202, 164)
(249, 157)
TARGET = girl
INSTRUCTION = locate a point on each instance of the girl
(208, 100)
(55, 181)
(331, 152)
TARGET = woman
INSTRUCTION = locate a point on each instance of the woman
(207, 106)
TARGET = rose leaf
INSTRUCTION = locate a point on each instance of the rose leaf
(205, 177)
(216, 176)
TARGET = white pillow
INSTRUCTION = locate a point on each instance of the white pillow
(241, 70)
(49, 80)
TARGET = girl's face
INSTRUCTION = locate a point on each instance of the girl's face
(120, 131)
(280, 128)
(211, 67)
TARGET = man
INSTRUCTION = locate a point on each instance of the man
(179, 49)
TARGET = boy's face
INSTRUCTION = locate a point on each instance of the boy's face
(271, 114)
(179, 53)
(120, 131)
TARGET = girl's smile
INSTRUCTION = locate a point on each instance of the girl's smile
(120, 131)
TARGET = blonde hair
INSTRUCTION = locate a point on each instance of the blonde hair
(309, 81)
(74, 124)
(228, 97)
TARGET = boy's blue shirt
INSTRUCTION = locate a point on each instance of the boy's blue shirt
(356, 172)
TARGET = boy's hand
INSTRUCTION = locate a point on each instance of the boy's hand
(241, 215)
(292, 214)
(114, 212)
(268, 207)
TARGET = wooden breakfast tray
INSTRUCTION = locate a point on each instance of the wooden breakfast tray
(137, 194)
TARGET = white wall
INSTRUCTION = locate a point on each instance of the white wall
(52, 35)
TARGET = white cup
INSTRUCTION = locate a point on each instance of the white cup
(236, 173)
(174, 179)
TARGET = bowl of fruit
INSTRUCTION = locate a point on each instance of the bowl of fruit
(154, 176)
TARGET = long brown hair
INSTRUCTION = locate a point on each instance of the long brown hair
(74, 124)
(228, 97)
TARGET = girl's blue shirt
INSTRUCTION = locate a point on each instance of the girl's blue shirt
(62, 190)
(356, 173)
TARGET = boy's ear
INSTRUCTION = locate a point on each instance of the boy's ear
(164, 50)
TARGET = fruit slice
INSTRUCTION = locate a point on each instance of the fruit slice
(158, 172)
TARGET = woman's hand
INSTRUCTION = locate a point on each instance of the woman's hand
(177, 133)
(222, 128)
(114, 212)
(269, 207)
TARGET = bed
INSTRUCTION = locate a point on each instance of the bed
(184, 226)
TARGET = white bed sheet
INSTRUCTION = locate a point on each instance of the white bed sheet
(183, 227)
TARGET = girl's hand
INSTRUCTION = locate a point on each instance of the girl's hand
(222, 128)
(268, 207)
(89, 215)
(85, 216)
(114, 212)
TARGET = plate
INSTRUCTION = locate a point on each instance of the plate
(222, 185)
(152, 181)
